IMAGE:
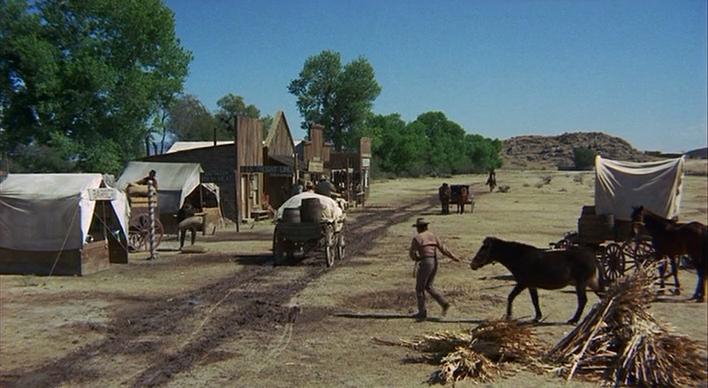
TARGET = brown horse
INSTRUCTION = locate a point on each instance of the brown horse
(535, 268)
(672, 239)
(462, 199)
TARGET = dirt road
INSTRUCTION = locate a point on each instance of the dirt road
(173, 334)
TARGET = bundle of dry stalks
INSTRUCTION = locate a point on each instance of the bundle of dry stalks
(621, 342)
(481, 354)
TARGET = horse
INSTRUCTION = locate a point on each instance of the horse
(535, 268)
(672, 239)
(462, 199)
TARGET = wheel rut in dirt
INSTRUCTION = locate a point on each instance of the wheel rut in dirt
(251, 300)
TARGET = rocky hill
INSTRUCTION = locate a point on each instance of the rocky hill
(553, 152)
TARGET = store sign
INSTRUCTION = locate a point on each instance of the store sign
(270, 170)
(315, 166)
(103, 194)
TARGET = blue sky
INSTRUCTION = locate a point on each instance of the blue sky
(634, 69)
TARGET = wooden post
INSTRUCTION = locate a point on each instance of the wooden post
(349, 184)
(237, 173)
(151, 215)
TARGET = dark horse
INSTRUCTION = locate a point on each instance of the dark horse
(535, 268)
(672, 239)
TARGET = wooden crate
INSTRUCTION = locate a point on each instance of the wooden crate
(595, 228)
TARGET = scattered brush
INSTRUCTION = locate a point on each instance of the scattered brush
(481, 354)
(621, 342)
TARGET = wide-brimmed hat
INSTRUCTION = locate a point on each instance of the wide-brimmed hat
(420, 222)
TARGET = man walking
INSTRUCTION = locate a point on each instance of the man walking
(423, 251)
(188, 219)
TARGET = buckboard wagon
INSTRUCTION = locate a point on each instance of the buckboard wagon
(302, 229)
(616, 246)
(455, 193)
(607, 229)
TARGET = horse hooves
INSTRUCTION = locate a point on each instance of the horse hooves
(676, 292)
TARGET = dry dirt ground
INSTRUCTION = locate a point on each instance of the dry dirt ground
(229, 318)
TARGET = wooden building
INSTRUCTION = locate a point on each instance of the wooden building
(350, 171)
(311, 154)
(216, 161)
(249, 167)
(265, 164)
(279, 162)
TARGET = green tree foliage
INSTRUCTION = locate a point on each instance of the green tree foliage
(431, 144)
(80, 80)
(190, 120)
(232, 105)
(584, 158)
(338, 97)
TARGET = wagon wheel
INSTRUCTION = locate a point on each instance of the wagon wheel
(638, 251)
(139, 233)
(341, 246)
(613, 261)
(330, 246)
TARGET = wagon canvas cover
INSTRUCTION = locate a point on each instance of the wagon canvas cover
(50, 212)
(174, 181)
(619, 186)
(330, 210)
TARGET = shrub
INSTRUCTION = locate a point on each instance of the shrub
(584, 158)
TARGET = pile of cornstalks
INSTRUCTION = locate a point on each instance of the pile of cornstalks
(620, 342)
(482, 354)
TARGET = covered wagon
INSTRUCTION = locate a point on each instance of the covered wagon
(312, 223)
(619, 187)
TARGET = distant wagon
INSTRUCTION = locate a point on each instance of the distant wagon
(455, 195)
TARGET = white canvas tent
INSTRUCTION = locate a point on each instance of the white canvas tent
(174, 181)
(50, 212)
(619, 186)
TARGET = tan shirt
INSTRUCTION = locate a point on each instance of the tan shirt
(424, 245)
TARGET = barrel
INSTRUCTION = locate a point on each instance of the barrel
(310, 210)
(291, 215)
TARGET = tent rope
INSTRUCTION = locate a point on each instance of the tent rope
(105, 224)
(66, 237)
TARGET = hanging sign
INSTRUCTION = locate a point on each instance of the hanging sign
(102, 194)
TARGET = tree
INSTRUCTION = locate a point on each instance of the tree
(446, 138)
(231, 105)
(190, 120)
(338, 97)
(91, 73)
(584, 158)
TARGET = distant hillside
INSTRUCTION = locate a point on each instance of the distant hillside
(700, 153)
(557, 151)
